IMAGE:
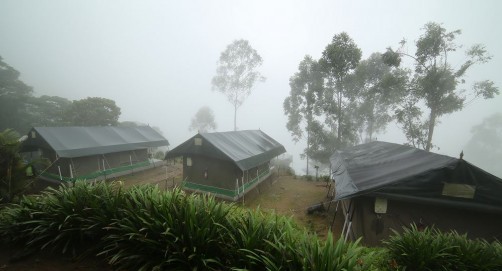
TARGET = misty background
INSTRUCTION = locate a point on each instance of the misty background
(155, 59)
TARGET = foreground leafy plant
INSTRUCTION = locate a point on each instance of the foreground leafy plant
(144, 228)
(431, 249)
(157, 230)
(65, 219)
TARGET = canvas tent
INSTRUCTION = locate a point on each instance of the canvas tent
(91, 153)
(226, 164)
(383, 186)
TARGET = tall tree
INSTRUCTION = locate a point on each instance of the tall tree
(14, 95)
(306, 88)
(203, 121)
(92, 111)
(338, 61)
(436, 82)
(378, 89)
(485, 146)
(236, 73)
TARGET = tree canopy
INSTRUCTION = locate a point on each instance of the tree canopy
(92, 111)
(237, 73)
(300, 106)
(378, 88)
(14, 95)
(203, 121)
(436, 82)
(321, 105)
(485, 146)
(20, 110)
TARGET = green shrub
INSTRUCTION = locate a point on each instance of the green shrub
(66, 218)
(330, 255)
(145, 228)
(474, 254)
(421, 250)
(159, 230)
(431, 249)
(250, 235)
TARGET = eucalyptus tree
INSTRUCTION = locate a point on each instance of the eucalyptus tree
(321, 105)
(300, 106)
(378, 89)
(339, 59)
(237, 73)
(203, 121)
(436, 82)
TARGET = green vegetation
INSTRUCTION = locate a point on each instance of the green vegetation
(144, 228)
(430, 249)
(15, 174)
(340, 100)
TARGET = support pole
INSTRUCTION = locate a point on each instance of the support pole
(348, 231)
(104, 168)
(346, 218)
(334, 216)
(237, 186)
(243, 188)
(60, 176)
(130, 162)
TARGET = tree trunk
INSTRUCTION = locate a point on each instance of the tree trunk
(235, 117)
(308, 149)
(339, 132)
(432, 124)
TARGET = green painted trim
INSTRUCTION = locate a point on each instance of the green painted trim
(222, 191)
(97, 174)
(210, 189)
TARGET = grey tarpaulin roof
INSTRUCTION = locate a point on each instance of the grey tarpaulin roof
(246, 149)
(402, 172)
(84, 141)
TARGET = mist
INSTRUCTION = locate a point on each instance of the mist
(155, 59)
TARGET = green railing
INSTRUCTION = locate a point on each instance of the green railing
(96, 174)
(222, 191)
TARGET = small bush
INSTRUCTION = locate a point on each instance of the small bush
(157, 231)
(431, 249)
(65, 219)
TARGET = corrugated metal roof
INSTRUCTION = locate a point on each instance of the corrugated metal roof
(246, 149)
(83, 141)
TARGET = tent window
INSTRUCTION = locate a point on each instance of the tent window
(198, 141)
(189, 162)
(459, 190)
(33, 134)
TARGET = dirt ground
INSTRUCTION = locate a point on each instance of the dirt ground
(285, 195)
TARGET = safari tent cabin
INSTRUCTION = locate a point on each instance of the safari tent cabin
(383, 186)
(91, 153)
(226, 164)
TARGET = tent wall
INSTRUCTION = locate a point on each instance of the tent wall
(222, 176)
(97, 166)
(220, 173)
(377, 227)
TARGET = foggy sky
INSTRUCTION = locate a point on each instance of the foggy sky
(156, 58)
